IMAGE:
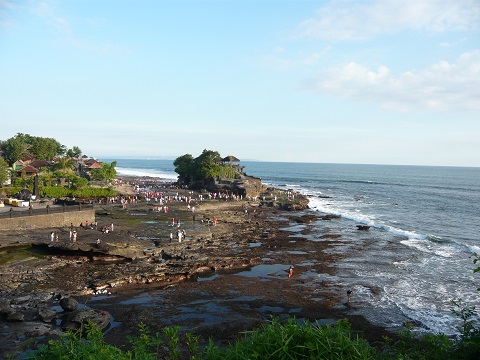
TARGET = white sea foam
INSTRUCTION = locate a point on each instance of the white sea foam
(327, 206)
(423, 242)
(145, 172)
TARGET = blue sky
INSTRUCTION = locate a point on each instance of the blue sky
(373, 82)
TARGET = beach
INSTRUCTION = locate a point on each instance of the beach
(229, 273)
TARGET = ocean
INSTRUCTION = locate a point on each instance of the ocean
(416, 257)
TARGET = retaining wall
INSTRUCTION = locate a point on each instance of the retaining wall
(58, 219)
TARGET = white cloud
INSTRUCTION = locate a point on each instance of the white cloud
(354, 20)
(45, 10)
(5, 8)
(282, 63)
(443, 86)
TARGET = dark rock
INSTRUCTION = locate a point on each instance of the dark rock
(46, 314)
(38, 329)
(363, 227)
(77, 319)
(23, 299)
(5, 308)
(331, 236)
(330, 217)
(68, 304)
(16, 317)
(307, 218)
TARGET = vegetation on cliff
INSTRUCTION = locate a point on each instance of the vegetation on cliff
(206, 167)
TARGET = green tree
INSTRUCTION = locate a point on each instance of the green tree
(65, 164)
(15, 148)
(46, 179)
(106, 173)
(184, 166)
(207, 164)
(202, 169)
(39, 147)
(74, 152)
(44, 148)
(4, 172)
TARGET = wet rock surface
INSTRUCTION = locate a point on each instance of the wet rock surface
(218, 281)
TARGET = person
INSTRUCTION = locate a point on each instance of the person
(290, 272)
(74, 235)
(171, 236)
(52, 236)
(214, 221)
(349, 295)
(99, 241)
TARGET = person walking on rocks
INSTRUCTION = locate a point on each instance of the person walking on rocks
(290, 272)
(171, 236)
(349, 295)
(74, 236)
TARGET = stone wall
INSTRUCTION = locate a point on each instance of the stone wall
(43, 221)
(253, 186)
(246, 186)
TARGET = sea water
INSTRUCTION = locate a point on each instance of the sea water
(416, 257)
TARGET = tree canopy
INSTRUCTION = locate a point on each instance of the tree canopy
(206, 167)
(3, 171)
(74, 152)
(39, 147)
(61, 166)
(106, 173)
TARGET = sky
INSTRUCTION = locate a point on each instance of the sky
(334, 81)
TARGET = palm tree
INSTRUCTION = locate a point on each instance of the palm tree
(65, 164)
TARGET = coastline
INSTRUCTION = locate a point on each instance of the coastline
(232, 276)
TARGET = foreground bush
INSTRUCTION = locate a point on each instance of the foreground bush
(272, 341)
(294, 341)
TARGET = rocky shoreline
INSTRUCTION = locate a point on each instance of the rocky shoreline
(224, 277)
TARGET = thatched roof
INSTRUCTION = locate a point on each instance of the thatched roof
(90, 161)
(95, 165)
(39, 163)
(230, 158)
(28, 170)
